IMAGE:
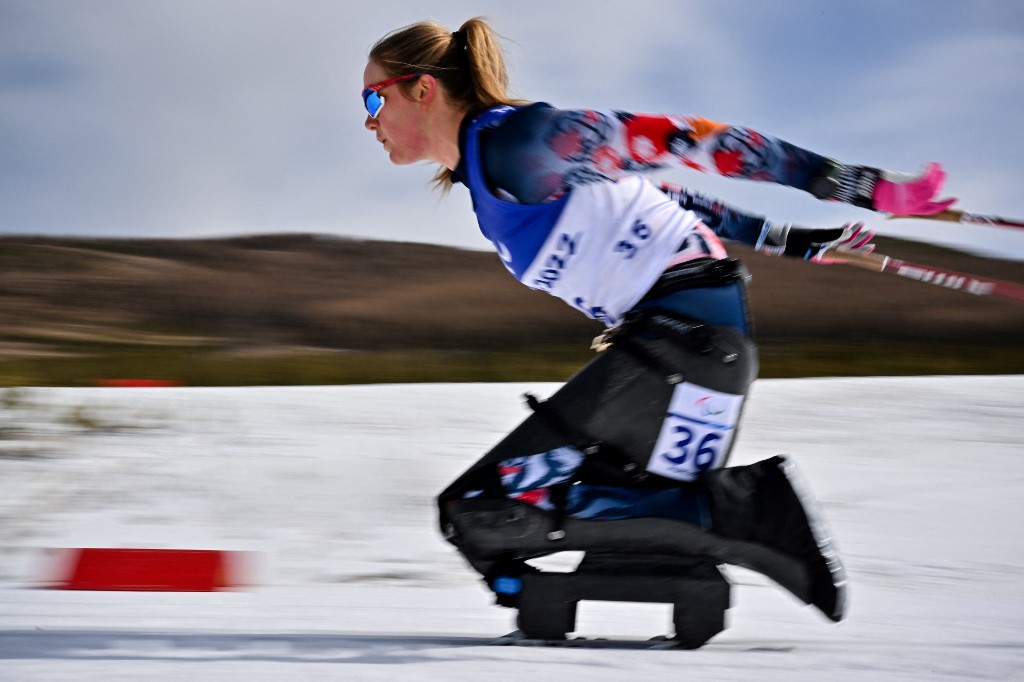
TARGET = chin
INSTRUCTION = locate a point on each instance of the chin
(399, 160)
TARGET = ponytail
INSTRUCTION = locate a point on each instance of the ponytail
(468, 63)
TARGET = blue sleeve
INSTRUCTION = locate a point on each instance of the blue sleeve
(724, 221)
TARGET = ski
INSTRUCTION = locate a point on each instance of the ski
(517, 638)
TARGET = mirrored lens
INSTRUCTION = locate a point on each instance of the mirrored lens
(374, 102)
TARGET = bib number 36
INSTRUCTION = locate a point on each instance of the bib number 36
(686, 451)
(698, 429)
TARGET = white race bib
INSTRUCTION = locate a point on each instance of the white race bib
(696, 433)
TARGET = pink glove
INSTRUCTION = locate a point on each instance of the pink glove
(903, 194)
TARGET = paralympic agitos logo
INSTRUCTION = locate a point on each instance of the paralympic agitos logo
(708, 407)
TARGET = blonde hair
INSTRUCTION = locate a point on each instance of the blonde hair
(468, 63)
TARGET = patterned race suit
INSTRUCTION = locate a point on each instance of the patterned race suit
(544, 181)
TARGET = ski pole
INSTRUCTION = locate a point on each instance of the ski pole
(949, 279)
(955, 216)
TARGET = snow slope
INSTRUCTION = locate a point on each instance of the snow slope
(331, 490)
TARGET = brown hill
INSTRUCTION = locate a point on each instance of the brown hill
(60, 295)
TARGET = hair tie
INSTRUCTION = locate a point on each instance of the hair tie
(460, 40)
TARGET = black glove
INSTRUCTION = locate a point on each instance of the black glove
(823, 245)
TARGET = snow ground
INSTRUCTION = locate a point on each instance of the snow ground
(331, 490)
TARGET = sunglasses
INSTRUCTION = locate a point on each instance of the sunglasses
(372, 98)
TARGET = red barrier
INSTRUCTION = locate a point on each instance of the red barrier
(150, 570)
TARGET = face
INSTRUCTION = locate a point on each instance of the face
(401, 124)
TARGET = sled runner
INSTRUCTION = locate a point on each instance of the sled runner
(696, 589)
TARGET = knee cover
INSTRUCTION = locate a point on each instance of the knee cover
(656, 408)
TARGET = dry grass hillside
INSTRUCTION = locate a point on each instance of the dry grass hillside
(102, 305)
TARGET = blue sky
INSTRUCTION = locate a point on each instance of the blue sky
(166, 118)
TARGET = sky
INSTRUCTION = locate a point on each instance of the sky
(205, 118)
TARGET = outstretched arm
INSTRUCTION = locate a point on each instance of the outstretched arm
(540, 152)
(740, 152)
(776, 239)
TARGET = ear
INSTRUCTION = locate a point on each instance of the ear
(425, 89)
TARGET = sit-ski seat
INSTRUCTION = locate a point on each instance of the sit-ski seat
(649, 559)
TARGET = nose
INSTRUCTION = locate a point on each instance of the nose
(370, 123)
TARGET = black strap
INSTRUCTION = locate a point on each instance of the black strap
(698, 274)
(694, 336)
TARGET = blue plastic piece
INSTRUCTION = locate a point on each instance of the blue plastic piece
(507, 585)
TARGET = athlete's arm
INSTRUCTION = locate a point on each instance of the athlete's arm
(657, 141)
(541, 152)
(777, 239)
(724, 221)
